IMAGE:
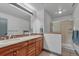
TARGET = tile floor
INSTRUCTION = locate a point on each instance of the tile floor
(68, 52)
(44, 53)
(65, 52)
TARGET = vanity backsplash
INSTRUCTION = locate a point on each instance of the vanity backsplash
(3, 37)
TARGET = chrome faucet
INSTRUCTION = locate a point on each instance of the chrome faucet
(10, 36)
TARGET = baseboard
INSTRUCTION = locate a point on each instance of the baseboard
(52, 52)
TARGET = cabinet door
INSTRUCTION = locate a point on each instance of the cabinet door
(21, 49)
(9, 54)
(39, 46)
(21, 52)
(31, 48)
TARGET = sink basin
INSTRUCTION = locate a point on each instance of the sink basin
(8, 41)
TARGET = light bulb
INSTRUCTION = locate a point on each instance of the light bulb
(59, 12)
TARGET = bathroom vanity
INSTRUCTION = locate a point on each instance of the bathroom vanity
(25, 46)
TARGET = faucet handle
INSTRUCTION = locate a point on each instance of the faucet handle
(14, 36)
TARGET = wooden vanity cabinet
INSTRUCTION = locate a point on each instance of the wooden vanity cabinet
(22, 51)
(7, 53)
(28, 48)
(39, 45)
(31, 47)
(19, 49)
(35, 46)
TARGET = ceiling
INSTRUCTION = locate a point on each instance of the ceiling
(50, 8)
(53, 8)
(8, 9)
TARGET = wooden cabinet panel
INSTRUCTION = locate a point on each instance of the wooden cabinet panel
(9, 54)
(31, 54)
(27, 48)
(31, 48)
(39, 46)
(6, 53)
(21, 52)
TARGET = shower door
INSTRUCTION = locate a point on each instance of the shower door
(66, 29)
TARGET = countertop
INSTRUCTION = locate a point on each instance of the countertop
(4, 43)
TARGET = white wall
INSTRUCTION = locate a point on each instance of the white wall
(36, 26)
(70, 17)
(37, 21)
(15, 25)
(44, 19)
(56, 26)
(41, 17)
(57, 21)
(76, 18)
(47, 22)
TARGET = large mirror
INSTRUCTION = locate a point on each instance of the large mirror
(14, 19)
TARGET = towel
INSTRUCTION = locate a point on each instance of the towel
(75, 37)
